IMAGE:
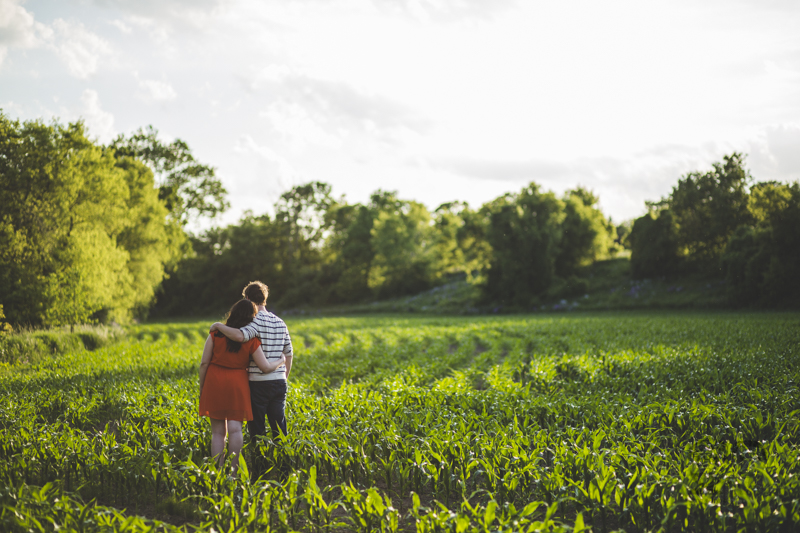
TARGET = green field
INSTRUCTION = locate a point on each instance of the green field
(626, 421)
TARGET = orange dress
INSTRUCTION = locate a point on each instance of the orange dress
(226, 389)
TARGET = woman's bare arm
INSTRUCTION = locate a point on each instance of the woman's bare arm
(288, 365)
(262, 363)
(234, 334)
(208, 350)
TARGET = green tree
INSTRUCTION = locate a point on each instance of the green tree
(459, 243)
(5, 327)
(524, 232)
(187, 188)
(761, 260)
(622, 232)
(654, 245)
(352, 244)
(708, 207)
(223, 262)
(153, 240)
(401, 238)
(587, 235)
(68, 214)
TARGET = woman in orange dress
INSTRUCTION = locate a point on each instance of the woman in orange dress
(224, 385)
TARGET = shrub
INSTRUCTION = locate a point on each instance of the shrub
(654, 245)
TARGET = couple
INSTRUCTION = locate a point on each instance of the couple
(243, 372)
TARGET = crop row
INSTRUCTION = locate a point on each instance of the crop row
(604, 422)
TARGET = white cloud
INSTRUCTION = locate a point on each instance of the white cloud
(776, 154)
(80, 49)
(157, 91)
(299, 128)
(121, 26)
(157, 32)
(623, 184)
(99, 122)
(445, 10)
(285, 173)
(18, 29)
(16, 108)
(312, 111)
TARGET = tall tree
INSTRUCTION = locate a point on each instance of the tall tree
(587, 235)
(524, 231)
(459, 241)
(80, 232)
(708, 207)
(654, 245)
(401, 240)
(761, 260)
(187, 188)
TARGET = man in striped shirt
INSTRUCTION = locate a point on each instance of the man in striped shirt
(267, 391)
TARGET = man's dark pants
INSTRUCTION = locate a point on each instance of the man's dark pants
(268, 398)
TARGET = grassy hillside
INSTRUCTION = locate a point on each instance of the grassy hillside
(604, 285)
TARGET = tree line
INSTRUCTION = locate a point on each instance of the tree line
(87, 231)
(319, 250)
(93, 232)
(722, 224)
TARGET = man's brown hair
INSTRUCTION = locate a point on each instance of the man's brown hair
(256, 292)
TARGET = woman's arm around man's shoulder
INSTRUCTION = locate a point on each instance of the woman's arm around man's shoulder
(234, 334)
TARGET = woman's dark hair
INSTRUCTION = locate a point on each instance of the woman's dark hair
(240, 315)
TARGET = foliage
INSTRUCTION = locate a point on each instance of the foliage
(654, 245)
(761, 261)
(82, 233)
(587, 235)
(708, 207)
(713, 224)
(187, 188)
(31, 346)
(401, 239)
(524, 231)
(5, 327)
(638, 422)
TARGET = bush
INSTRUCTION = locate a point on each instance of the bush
(21, 348)
(570, 287)
(35, 346)
(761, 262)
(91, 340)
(654, 246)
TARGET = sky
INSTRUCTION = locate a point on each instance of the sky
(439, 100)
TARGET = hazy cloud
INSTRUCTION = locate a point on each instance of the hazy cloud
(316, 111)
(79, 49)
(299, 127)
(121, 26)
(446, 10)
(156, 91)
(776, 156)
(18, 29)
(623, 184)
(280, 165)
(99, 122)
(193, 12)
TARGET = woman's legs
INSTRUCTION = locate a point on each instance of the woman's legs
(218, 431)
(231, 428)
(235, 442)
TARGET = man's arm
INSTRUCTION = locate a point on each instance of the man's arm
(234, 334)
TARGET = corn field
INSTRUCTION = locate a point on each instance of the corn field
(604, 422)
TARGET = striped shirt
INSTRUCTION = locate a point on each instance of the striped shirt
(275, 341)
